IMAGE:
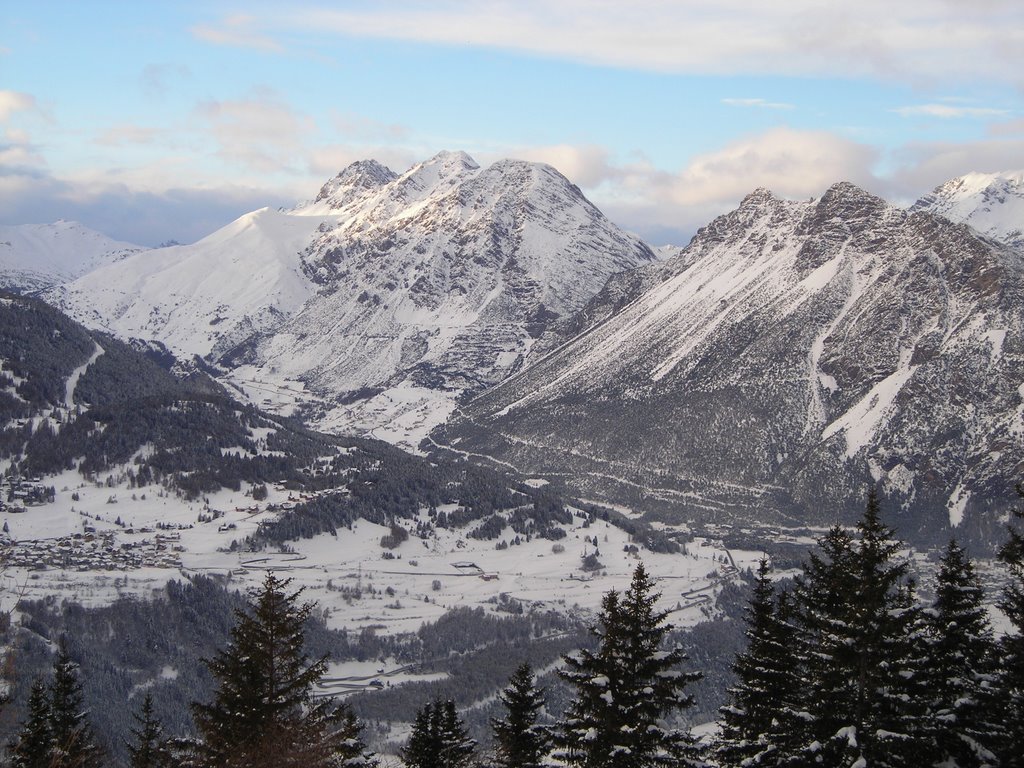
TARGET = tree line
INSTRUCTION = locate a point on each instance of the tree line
(845, 668)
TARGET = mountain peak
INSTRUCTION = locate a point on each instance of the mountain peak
(355, 180)
(849, 191)
(992, 203)
(757, 198)
(845, 200)
(443, 171)
(457, 159)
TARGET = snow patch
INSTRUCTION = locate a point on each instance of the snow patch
(957, 504)
(863, 420)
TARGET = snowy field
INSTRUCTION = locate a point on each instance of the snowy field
(350, 575)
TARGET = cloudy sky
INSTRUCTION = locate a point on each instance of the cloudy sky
(158, 120)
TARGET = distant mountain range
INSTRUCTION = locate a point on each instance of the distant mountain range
(391, 294)
(37, 256)
(790, 355)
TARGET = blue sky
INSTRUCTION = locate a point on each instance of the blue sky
(153, 121)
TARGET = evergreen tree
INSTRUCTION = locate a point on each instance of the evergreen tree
(1011, 651)
(863, 650)
(759, 719)
(627, 688)
(439, 739)
(74, 745)
(960, 650)
(519, 741)
(820, 610)
(422, 749)
(149, 748)
(263, 712)
(457, 749)
(35, 741)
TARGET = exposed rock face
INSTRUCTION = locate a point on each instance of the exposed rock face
(447, 277)
(791, 355)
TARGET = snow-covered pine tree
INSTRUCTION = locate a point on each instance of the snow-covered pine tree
(821, 615)
(457, 749)
(759, 720)
(626, 689)
(863, 649)
(73, 743)
(438, 739)
(520, 742)
(148, 747)
(960, 648)
(1011, 650)
(421, 749)
(34, 742)
(263, 712)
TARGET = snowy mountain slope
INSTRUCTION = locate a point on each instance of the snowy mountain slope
(447, 277)
(992, 203)
(37, 256)
(113, 464)
(791, 355)
(381, 299)
(241, 279)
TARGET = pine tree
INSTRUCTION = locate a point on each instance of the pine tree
(960, 648)
(35, 741)
(74, 745)
(759, 720)
(263, 712)
(821, 614)
(439, 739)
(1011, 650)
(457, 749)
(519, 741)
(422, 749)
(863, 650)
(627, 688)
(149, 748)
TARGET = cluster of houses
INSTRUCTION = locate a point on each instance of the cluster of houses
(19, 493)
(96, 552)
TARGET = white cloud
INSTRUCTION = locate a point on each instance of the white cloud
(586, 166)
(12, 102)
(789, 162)
(922, 166)
(919, 40)
(128, 213)
(238, 30)
(947, 111)
(325, 162)
(259, 133)
(669, 206)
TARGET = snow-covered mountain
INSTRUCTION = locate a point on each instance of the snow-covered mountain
(242, 279)
(390, 294)
(37, 256)
(992, 203)
(790, 356)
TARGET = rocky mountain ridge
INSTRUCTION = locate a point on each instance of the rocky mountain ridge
(442, 284)
(793, 354)
(382, 299)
